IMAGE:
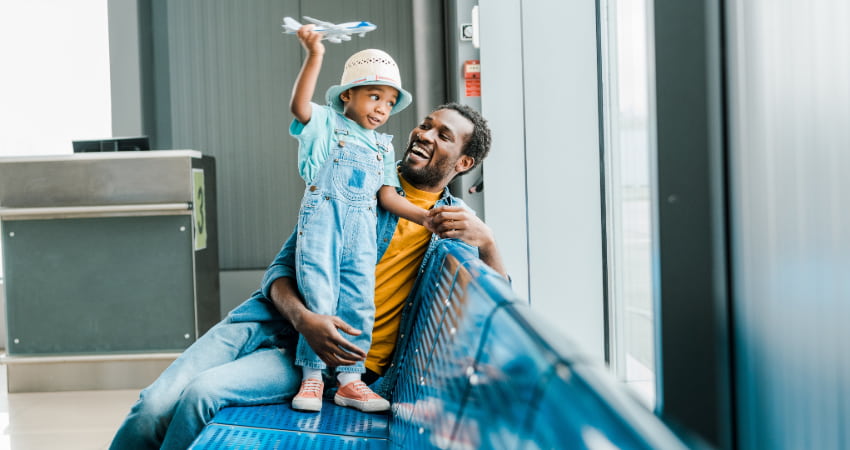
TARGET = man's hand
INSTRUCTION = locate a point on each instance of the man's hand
(321, 333)
(460, 223)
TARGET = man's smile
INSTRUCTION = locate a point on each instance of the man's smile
(419, 152)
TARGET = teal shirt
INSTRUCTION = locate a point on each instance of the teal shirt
(316, 139)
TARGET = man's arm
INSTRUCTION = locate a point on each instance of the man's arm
(320, 331)
(460, 223)
(280, 287)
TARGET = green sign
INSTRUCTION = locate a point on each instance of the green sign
(199, 209)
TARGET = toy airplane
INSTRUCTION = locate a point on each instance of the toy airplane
(335, 33)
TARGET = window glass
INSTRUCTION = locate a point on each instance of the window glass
(627, 124)
(54, 86)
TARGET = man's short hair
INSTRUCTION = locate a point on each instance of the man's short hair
(478, 145)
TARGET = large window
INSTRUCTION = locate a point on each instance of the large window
(627, 125)
(54, 86)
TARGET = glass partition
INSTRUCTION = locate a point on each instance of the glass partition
(626, 79)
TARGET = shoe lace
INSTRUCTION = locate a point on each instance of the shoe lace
(363, 389)
(311, 386)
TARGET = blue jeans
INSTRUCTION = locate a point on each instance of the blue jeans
(247, 363)
(336, 249)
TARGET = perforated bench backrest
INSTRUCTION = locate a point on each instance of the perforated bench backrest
(477, 373)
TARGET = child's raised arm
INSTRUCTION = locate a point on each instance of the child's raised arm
(305, 84)
(400, 206)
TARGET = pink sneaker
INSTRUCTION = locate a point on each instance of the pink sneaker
(358, 395)
(309, 398)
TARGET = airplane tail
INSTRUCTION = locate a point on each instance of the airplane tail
(290, 25)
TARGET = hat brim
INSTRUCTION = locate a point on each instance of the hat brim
(332, 96)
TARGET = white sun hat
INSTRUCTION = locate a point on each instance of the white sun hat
(369, 67)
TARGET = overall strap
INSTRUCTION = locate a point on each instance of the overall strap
(341, 131)
(383, 142)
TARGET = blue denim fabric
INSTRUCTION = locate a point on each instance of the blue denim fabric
(247, 359)
(284, 266)
(284, 263)
(335, 249)
(234, 363)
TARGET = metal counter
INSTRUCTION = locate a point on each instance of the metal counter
(108, 253)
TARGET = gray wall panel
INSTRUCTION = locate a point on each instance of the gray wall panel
(790, 135)
(124, 67)
(230, 75)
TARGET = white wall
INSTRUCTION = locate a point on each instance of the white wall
(502, 103)
(543, 195)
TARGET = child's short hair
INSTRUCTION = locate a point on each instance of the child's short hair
(368, 67)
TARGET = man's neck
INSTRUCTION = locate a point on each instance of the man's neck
(430, 189)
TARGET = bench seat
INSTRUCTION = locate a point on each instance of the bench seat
(478, 370)
(278, 426)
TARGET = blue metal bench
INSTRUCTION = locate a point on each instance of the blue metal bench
(478, 371)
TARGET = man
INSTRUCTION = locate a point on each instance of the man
(248, 358)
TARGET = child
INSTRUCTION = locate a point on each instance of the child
(345, 163)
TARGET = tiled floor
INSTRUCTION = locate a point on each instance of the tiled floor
(84, 420)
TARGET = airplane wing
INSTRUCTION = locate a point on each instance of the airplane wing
(321, 23)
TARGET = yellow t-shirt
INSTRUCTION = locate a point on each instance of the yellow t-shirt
(394, 277)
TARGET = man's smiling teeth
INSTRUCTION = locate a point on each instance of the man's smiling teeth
(419, 151)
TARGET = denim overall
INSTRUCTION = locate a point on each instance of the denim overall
(247, 360)
(336, 251)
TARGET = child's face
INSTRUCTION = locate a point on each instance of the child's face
(369, 106)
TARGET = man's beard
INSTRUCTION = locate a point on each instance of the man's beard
(430, 176)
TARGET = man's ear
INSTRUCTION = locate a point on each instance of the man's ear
(464, 163)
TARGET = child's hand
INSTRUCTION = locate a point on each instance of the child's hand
(459, 223)
(429, 224)
(310, 40)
